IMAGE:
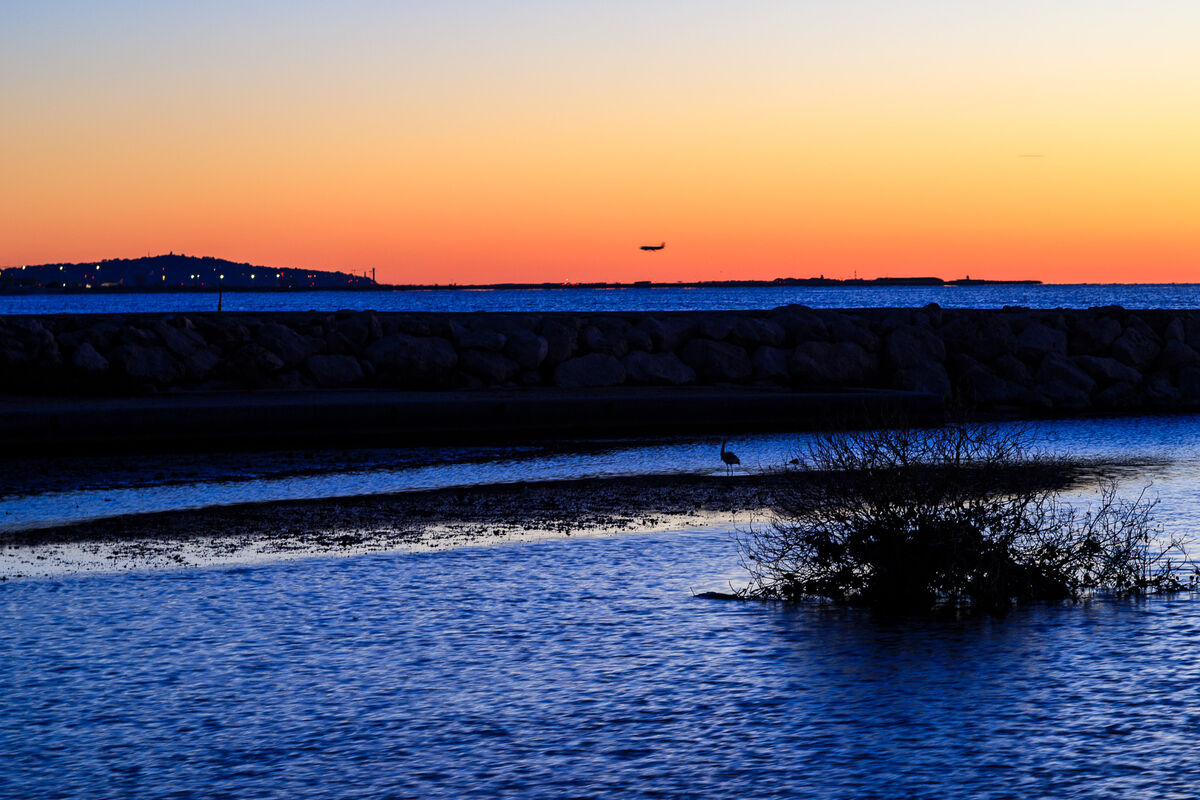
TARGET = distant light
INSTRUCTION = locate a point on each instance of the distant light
(222, 277)
(251, 276)
(277, 274)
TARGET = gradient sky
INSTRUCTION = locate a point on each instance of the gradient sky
(544, 141)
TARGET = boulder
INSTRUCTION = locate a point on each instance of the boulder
(771, 364)
(928, 377)
(1121, 396)
(147, 364)
(181, 341)
(983, 336)
(1065, 396)
(1135, 348)
(1058, 370)
(912, 347)
(482, 339)
(716, 326)
(526, 348)
(591, 370)
(717, 362)
(677, 331)
(86, 359)
(1037, 340)
(1176, 355)
(800, 323)
(655, 331)
(562, 338)
(417, 357)
(1106, 370)
(289, 346)
(978, 386)
(752, 331)
(334, 370)
(1161, 392)
(1189, 385)
(842, 328)
(1092, 335)
(491, 367)
(606, 338)
(825, 364)
(662, 369)
(1012, 369)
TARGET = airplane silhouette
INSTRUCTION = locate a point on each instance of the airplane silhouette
(651, 247)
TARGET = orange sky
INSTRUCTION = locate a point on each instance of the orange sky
(462, 142)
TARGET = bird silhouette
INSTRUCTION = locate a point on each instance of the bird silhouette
(729, 457)
(652, 247)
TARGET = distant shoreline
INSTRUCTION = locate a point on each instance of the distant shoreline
(859, 283)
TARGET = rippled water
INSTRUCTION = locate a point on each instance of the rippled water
(589, 300)
(585, 667)
(575, 669)
(41, 493)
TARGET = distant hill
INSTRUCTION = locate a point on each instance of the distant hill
(173, 271)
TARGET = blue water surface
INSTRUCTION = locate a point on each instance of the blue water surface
(575, 668)
(630, 299)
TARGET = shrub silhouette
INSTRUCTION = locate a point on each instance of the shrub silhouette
(968, 515)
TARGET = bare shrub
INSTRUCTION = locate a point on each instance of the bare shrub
(967, 515)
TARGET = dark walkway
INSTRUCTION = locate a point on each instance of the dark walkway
(336, 417)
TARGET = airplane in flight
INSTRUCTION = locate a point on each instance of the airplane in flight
(652, 247)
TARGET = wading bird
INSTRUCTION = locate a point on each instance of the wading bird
(652, 247)
(729, 457)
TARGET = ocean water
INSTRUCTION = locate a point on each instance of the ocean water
(631, 299)
(581, 667)
(575, 668)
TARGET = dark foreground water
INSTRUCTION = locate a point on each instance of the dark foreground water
(575, 669)
(591, 300)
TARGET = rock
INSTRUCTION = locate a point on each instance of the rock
(1120, 396)
(844, 329)
(289, 346)
(979, 387)
(1037, 340)
(928, 377)
(493, 368)
(1065, 396)
(1057, 369)
(1093, 335)
(1175, 331)
(984, 336)
(663, 369)
(677, 331)
(1135, 348)
(771, 364)
(252, 364)
(716, 326)
(419, 358)
(751, 332)
(202, 362)
(153, 364)
(1176, 354)
(912, 347)
(655, 331)
(357, 329)
(526, 348)
(1160, 391)
(1012, 369)
(1106, 370)
(591, 370)
(562, 338)
(824, 364)
(801, 324)
(605, 338)
(483, 339)
(717, 362)
(334, 370)
(182, 342)
(1189, 385)
(86, 359)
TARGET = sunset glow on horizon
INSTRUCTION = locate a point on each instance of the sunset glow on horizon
(474, 142)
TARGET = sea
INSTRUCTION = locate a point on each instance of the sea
(1172, 295)
(572, 666)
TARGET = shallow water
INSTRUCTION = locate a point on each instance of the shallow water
(575, 669)
(40, 493)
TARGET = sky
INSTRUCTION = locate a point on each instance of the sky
(479, 142)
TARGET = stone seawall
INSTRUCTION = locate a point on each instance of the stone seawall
(1037, 361)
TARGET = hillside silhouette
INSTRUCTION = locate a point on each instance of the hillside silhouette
(172, 271)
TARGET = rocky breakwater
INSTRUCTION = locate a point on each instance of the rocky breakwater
(1106, 359)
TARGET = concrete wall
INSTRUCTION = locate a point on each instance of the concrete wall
(1039, 361)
